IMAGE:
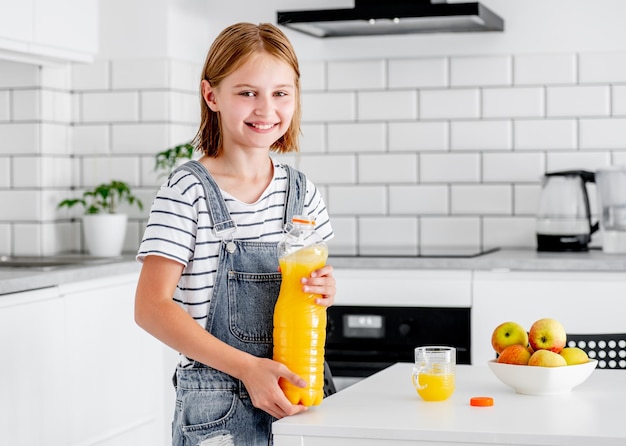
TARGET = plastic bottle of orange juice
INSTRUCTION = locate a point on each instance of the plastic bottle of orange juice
(300, 323)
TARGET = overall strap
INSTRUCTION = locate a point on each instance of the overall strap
(296, 192)
(220, 216)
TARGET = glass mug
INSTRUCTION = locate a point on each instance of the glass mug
(434, 372)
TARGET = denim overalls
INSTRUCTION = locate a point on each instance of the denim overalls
(213, 408)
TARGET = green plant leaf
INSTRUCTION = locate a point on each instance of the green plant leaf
(104, 198)
(167, 159)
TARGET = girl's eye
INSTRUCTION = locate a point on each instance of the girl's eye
(280, 93)
(248, 94)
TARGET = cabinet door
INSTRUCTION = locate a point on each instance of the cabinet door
(584, 302)
(16, 21)
(69, 25)
(115, 378)
(32, 379)
(37, 30)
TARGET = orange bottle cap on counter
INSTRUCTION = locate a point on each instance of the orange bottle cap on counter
(481, 401)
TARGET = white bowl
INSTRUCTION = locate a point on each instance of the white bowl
(535, 380)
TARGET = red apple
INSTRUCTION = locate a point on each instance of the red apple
(515, 354)
(546, 358)
(508, 333)
(547, 334)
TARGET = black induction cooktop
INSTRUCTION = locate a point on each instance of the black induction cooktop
(460, 252)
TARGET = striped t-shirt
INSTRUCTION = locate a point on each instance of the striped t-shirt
(180, 228)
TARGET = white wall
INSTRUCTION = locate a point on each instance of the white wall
(419, 139)
(531, 26)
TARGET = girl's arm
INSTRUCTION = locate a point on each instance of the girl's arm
(159, 315)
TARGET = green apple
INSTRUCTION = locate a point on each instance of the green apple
(574, 355)
(547, 334)
(546, 358)
(515, 354)
(508, 333)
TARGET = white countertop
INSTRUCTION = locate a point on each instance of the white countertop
(502, 259)
(13, 280)
(386, 410)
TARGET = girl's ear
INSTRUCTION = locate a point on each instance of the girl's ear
(209, 95)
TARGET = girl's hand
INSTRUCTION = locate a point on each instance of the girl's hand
(261, 381)
(321, 282)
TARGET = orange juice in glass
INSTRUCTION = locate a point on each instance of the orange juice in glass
(434, 372)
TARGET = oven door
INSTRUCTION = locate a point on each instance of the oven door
(362, 340)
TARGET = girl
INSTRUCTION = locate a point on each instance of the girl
(210, 278)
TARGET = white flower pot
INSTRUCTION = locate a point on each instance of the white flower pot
(104, 234)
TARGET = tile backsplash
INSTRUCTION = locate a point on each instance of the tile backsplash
(408, 152)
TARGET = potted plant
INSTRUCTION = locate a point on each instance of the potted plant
(170, 158)
(103, 227)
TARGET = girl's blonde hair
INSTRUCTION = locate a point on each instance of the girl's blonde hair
(232, 48)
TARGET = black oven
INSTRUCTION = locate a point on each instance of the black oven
(362, 340)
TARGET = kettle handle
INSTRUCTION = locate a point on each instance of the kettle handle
(585, 175)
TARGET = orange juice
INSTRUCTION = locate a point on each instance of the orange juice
(435, 387)
(300, 326)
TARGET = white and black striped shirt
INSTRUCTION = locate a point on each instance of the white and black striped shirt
(180, 228)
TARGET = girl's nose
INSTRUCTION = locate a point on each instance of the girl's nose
(263, 105)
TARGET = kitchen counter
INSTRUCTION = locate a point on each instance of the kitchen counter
(386, 410)
(503, 259)
(13, 280)
(18, 279)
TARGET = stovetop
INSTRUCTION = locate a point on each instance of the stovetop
(461, 252)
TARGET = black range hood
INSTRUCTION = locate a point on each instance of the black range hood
(383, 17)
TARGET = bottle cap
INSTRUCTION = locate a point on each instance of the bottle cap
(481, 401)
(303, 220)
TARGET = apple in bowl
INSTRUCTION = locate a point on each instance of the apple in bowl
(547, 334)
(517, 354)
(506, 334)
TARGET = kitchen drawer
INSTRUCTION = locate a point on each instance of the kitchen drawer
(404, 288)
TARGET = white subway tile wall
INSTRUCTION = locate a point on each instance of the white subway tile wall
(480, 71)
(388, 235)
(618, 95)
(457, 103)
(418, 73)
(408, 152)
(5, 172)
(546, 134)
(418, 136)
(480, 135)
(5, 106)
(545, 69)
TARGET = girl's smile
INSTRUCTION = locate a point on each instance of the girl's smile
(262, 127)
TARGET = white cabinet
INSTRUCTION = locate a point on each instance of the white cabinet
(16, 22)
(40, 30)
(32, 378)
(584, 302)
(77, 370)
(114, 381)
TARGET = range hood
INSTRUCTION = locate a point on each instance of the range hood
(382, 17)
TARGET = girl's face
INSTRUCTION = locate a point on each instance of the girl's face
(255, 102)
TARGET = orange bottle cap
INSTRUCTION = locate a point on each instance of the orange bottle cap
(303, 220)
(481, 401)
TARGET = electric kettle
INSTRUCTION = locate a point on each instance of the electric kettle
(563, 218)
